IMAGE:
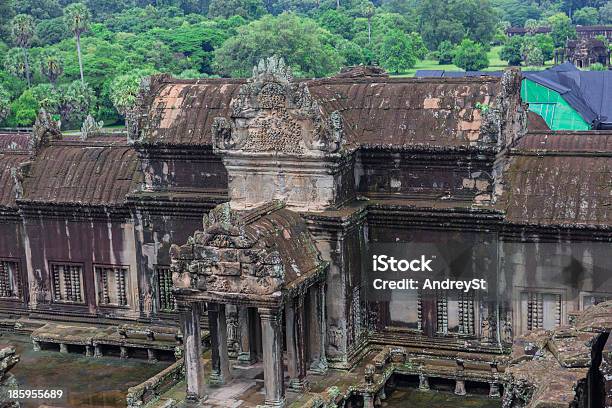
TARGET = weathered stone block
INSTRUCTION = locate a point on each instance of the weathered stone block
(228, 255)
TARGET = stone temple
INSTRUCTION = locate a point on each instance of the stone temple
(232, 218)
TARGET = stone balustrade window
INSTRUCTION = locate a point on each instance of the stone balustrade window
(167, 302)
(112, 285)
(456, 313)
(67, 283)
(9, 280)
(540, 310)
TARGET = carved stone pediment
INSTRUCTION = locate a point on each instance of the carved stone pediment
(224, 257)
(274, 113)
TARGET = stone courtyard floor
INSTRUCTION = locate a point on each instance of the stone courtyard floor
(86, 382)
(246, 391)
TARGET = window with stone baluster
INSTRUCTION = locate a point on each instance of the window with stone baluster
(167, 302)
(456, 313)
(67, 282)
(112, 285)
(540, 309)
(9, 280)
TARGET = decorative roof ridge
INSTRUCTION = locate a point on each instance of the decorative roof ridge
(251, 215)
(392, 80)
(92, 143)
(168, 79)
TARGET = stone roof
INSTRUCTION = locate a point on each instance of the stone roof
(14, 141)
(433, 112)
(254, 254)
(376, 110)
(560, 178)
(101, 171)
(181, 112)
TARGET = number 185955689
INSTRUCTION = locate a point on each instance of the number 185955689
(35, 394)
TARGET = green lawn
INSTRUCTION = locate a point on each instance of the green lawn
(495, 64)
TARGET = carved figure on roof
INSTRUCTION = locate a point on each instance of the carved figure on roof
(274, 113)
(44, 130)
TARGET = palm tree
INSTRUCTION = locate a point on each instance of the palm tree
(22, 28)
(368, 12)
(77, 17)
(51, 67)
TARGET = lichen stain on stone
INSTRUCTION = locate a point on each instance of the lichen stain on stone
(431, 103)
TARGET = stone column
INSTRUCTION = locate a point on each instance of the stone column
(290, 337)
(368, 401)
(423, 382)
(218, 337)
(319, 329)
(459, 381)
(296, 345)
(246, 356)
(272, 357)
(194, 369)
(300, 331)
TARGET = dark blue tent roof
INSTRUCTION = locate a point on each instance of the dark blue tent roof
(588, 92)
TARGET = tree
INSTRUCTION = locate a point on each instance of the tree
(470, 56)
(51, 31)
(418, 45)
(544, 42)
(397, 53)
(605, 13)
(532, 25)
(445, 52)
(24, 110)
(38, 9)
(586, 16)
(299, 6)
(367, 11)
(7, 12)
(306, 47)
(533, 54)
(47, 97)
(453, 20)
(249, 9)
(75, 101)
(561, 29)
(512, 51)
(337, 22)
(77, 18)
(5, 103)
(125, 88)
(517, 12)
(51, 66)
(22, 29)
(15, 64)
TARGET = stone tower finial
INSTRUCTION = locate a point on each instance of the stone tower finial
(273, 66)
(44, 129)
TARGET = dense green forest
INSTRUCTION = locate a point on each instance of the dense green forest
(79, 58)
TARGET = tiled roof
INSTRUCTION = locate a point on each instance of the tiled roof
(92, 172)
(560, 178)
(182, 112)
(437, 112)
(376, 110)
(14, 141)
